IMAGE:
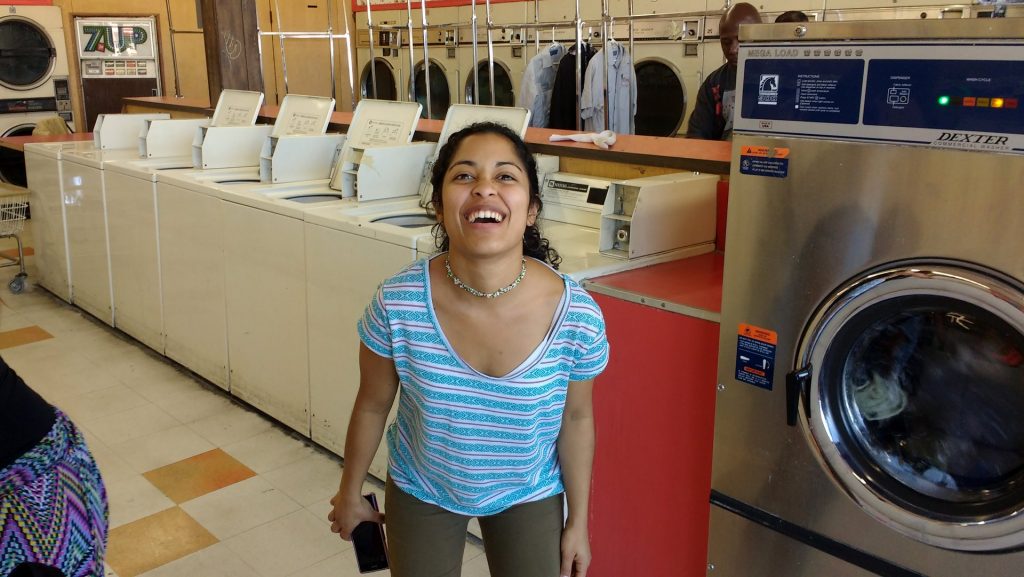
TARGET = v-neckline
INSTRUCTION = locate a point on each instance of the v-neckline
(531, 359)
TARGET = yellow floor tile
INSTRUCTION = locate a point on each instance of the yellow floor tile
(23, 336)
(150, 542)
(198, 475)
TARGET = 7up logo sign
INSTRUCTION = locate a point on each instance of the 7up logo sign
(114, 39)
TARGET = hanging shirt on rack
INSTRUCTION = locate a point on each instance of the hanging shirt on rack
(563, 94)
(621, 91)
(538, 80)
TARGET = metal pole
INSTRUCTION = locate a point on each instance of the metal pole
(579, 65)
(490, 50)
(284, 60)
(373, 51)
(476, 57)
(426, 55)
(174, 53)
(632, 105)
(412, 57)
(330, 49)
(536, 33)
(606, 70)
(348, 53)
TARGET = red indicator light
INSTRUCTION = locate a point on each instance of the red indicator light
(969, 101)
(1010, 103)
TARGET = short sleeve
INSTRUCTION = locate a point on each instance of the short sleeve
(374, 330)
(593, 348)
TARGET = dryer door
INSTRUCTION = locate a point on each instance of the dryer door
(440, 95)
(915, 397)
(660, 98)
(383, 74)
(503, 95)
(27, 55)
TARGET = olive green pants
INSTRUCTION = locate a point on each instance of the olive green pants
(425, 540)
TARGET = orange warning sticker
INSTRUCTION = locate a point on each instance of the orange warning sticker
(764, 152)
(759, 334)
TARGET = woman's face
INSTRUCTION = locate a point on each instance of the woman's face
(485, 197)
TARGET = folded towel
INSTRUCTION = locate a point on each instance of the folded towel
(603, 139)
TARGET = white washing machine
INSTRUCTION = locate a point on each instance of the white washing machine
(43, 168)
(82, 177)
(32, 51)
(191, 241)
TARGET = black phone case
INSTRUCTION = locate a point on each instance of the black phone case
(369, 543)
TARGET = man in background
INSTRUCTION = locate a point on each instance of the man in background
(716, 100)
(792, 16)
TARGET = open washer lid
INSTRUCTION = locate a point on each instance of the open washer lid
(303, 115)
(238, 108)
(382, 122)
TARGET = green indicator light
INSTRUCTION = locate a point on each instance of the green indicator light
(943, 100)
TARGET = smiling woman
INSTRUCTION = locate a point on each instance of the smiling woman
(493, 355)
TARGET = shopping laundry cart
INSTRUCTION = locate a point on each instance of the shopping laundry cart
(13, 209)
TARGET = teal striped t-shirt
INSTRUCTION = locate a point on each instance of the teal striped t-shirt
(465, 441)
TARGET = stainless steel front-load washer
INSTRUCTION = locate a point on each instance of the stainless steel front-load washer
(871, 360)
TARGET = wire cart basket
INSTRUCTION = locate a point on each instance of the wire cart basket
(13, 209)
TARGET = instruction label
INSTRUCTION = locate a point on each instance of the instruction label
(764, 161)
(755, 355)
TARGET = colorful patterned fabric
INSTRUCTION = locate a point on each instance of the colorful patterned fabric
(469, 442)
(53, 506)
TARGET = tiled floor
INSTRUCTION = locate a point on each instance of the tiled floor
(199, 484)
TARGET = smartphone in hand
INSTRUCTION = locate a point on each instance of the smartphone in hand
(368, 541)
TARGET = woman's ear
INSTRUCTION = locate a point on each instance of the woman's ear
(531, 215)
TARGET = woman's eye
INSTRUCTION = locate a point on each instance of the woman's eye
(462, 177)
(506, 178)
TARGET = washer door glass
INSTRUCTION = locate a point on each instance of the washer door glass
(503, 95)
(917, 402)
(660, 99)
(385, 78)
(26, 54)
(440, 96)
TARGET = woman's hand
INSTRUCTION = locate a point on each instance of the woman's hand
(349, 512)
(575, 551)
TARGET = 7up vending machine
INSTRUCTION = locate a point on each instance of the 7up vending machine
(118, 58)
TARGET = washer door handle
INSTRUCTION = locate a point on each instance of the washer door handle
(796, 383)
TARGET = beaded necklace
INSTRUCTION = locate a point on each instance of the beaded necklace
(458, 282)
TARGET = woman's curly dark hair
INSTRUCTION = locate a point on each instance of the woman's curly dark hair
(534, 245)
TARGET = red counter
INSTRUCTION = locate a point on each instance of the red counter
(654, 414)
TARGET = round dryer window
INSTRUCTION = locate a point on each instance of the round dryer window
(660, 98)
(917, 399)
(26, 54)
(440, 96)
(503, 95)
(385, 79)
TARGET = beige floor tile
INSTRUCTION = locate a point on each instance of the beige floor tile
(476, 567)
(131, 424)
(288, 544)
(215, 561)
(168, 390)
(93, 405)
(310, 480)
(196, 404)
(341, 565)
(112, 467)
(230, 425)
(133, 498)
(198, 475)
(155, 540)
(239, 507)
(155, 450)
(269, 450)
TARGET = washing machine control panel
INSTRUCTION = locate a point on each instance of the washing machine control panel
(919, 93)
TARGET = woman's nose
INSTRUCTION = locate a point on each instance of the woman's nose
(484, 187)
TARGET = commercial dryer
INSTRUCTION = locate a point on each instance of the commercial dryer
(871, 359)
